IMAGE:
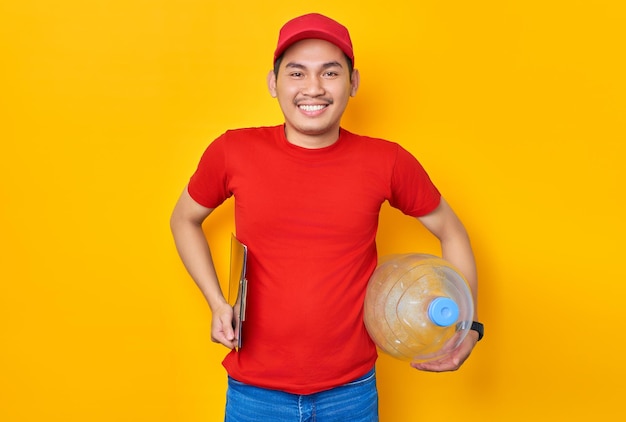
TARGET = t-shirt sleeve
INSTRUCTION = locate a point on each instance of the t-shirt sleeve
(208, 186)
(412, 190)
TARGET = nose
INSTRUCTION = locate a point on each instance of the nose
(313, 87)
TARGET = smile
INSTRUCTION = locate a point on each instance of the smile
(306, 107)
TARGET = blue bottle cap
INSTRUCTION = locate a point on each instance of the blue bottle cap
(443, 311)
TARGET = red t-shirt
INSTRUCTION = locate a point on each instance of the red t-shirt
(309, 218)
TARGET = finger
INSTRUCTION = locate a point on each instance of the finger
(223, 333)
(439, 365)
(227, 327)
(222, 339)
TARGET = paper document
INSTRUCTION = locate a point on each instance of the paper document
(238, 285)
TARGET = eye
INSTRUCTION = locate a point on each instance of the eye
(296, 74)
(330, 74)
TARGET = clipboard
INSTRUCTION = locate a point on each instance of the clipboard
(238, 285)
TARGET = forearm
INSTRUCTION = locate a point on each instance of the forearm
(455, 244)
(195, 254)
(458, 251)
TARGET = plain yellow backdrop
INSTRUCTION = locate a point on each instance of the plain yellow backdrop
(516, 108)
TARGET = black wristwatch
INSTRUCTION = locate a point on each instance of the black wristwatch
(479, 328)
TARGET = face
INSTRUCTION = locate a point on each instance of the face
(313, 87)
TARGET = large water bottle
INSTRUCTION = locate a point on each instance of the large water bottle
(418, 307)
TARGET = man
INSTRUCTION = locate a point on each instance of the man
(307, 198)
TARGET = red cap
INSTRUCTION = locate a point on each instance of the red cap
(315, 26)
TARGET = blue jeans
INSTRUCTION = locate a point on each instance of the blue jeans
(356, 401)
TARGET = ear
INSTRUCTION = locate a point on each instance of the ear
(271, 83)
(354, 82)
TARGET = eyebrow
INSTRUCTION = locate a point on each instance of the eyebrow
(294, 65)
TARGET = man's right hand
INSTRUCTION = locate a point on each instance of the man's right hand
(222, 326)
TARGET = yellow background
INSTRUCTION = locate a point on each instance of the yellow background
(516, 108)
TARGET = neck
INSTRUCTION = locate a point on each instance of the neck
(311, 140)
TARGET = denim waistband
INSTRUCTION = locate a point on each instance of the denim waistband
(370, 374)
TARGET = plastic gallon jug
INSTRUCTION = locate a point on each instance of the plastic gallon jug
(418, 307)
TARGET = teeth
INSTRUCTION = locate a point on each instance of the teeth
(312, 107)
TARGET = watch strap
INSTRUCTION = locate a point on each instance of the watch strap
(479, 328)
